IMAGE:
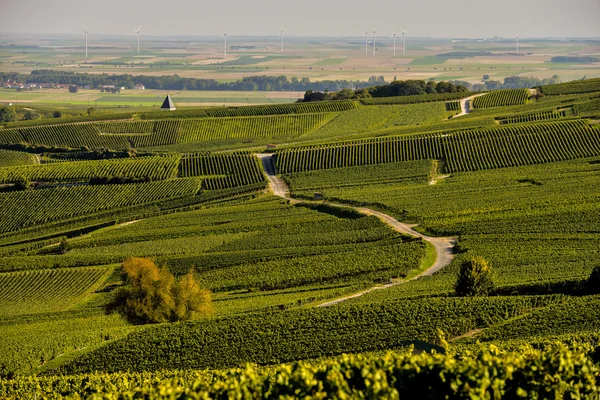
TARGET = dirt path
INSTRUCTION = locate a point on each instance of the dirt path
(465, 105)
(443, 246)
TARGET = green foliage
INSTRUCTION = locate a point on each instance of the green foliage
(372, 118)
(223, 170)
(582, 86)
(31, 115)
(152, 168)
(49, 205)
(462, 151)
(47, 290)
(153, 296)
(7, 114)
(475, 278)
(284, 336)
(534, 117)
(423, 98)
(594, 280)
(556, 371)
(453, 106)
(140, 134)
(10, 158)
(500, 98)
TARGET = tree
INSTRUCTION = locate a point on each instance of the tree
(153, 296)
(73, 89)
(31, 115)
(486, 77)
(91, 111)
(191, 300)
(22, 184)
(594, 280)
(475, 278)
(56, 114)
(7, 114)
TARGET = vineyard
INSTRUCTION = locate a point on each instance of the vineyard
(292, 280)
(462, 151)
(47, 290)
(501, 98)
(453, 106)
(535, 117)
(13, 158)
(248, 111)
(22, 209)
(584, 86)
(423, 98)
(393, 375)
(140, 134)
(152, 168)
(232, 169)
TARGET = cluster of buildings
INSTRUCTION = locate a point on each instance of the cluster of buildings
(17, 85)
(24, 86)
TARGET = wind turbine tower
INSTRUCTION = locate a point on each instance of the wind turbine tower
(374, 47)
(404, 42)
(281, 33)
(137, 31)
(85, 32)
(394, 37)
(366, 41)
(517, 43)
(224, 46)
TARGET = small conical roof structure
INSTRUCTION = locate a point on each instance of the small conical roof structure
(168, 104)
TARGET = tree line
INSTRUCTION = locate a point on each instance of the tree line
(396, 88)
(175, 82)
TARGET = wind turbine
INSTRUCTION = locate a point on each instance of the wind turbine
(374, 47)
(137, 31)
(394, 37)
(517, 43)
(281, 33)
(366, 41)
(85, 32)
(224, 45)
(404, 42)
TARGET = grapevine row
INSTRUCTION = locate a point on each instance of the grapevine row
(500, 98)
(584, 86)
(453, 106)
(23, 209)
(534, 117)
(232, 169)
(422, 98)
(154, 168)
(11, 158)
(462, 151)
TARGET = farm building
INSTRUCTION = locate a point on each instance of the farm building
(139, 86)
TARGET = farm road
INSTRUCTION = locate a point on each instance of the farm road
(465, 105)
(443, 246)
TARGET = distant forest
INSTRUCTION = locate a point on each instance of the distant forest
(248, 83)
(174, 82)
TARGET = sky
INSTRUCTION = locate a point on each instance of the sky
(426, 18)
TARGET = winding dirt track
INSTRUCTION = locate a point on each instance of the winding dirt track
(465, 105)
(443, 246)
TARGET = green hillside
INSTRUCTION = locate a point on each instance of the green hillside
(345, 285)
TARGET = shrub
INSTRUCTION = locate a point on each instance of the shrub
(594, 280)
(474, 278)
(153, 296)
(21, 184)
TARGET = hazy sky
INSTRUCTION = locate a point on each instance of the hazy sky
(440, 18)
